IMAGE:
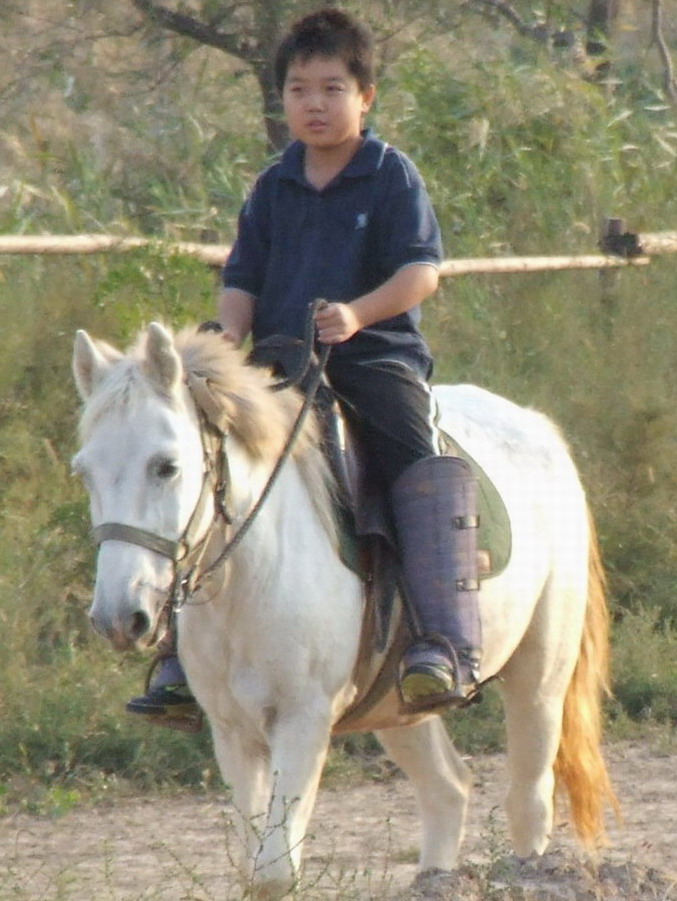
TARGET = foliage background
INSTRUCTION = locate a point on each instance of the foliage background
(521, 154)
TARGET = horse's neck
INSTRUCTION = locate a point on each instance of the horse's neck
(288, 524)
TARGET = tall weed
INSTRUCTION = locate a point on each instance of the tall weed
(61, 689)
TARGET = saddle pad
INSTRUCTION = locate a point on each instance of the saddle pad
(494, 538)
(495, 533)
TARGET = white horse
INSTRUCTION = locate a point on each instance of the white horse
(269, 637)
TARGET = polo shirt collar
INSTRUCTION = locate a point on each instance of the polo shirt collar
(367, 159)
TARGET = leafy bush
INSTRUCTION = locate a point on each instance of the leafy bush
(644, 652)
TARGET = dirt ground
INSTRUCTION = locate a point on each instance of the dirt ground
(362, 846)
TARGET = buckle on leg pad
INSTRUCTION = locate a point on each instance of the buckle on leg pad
(469, 521)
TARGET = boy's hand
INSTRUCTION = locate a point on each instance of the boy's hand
(336, 322)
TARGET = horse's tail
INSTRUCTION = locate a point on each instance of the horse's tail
(579, 766)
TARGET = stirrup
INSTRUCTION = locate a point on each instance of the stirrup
(427, 684)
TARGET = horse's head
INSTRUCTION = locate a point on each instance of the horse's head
(154, 463)
(142, 463)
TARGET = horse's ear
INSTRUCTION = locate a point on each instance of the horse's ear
(162, 364)
(91, 361)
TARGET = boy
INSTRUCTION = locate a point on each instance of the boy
(347, 217)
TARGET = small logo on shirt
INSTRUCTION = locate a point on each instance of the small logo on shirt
(361, 220)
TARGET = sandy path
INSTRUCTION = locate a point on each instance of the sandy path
(363, 842)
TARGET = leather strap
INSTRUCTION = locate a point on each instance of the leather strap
(117, 531)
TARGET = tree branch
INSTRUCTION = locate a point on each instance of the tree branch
(193, 28)
(537, 32)
(658, 38)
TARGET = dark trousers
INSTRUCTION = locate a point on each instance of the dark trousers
(392, 409)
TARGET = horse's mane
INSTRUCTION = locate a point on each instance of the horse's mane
(234, 396)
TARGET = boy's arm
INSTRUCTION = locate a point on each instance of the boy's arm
(404, 290)
(236, 313)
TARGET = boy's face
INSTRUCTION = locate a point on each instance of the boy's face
(323, 103)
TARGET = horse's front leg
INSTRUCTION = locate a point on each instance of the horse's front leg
(244, 766)
(298, 741)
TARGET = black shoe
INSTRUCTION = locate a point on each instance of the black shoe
(169, 705)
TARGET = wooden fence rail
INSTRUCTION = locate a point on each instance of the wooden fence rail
(619, 248)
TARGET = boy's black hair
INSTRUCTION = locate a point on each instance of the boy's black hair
(328, 32)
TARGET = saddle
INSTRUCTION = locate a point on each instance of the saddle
(368, 544)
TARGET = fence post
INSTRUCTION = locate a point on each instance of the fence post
(611, 237)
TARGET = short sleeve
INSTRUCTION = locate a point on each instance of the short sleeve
(246, 265)
(408, 230)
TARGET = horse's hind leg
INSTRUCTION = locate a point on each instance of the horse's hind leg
(441, 783)
(533, 728)
(534, 686)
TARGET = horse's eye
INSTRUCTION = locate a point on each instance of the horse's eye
(166, 469)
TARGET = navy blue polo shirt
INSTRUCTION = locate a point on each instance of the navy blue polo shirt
(296, 244)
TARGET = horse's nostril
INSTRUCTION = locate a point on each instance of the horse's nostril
(140, 624)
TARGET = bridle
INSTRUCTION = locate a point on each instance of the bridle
(189, 551)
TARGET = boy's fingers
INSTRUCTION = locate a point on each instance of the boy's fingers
(325, 319)
(320, 306)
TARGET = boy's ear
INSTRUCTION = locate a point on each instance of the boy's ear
(368, 97)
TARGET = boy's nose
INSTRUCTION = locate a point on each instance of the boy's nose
(314, 100)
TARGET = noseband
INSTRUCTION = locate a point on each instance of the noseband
(118, 531)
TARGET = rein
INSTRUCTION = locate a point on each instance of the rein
(184, 554)
(308, 399)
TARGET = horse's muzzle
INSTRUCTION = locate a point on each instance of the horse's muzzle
(124, 633)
